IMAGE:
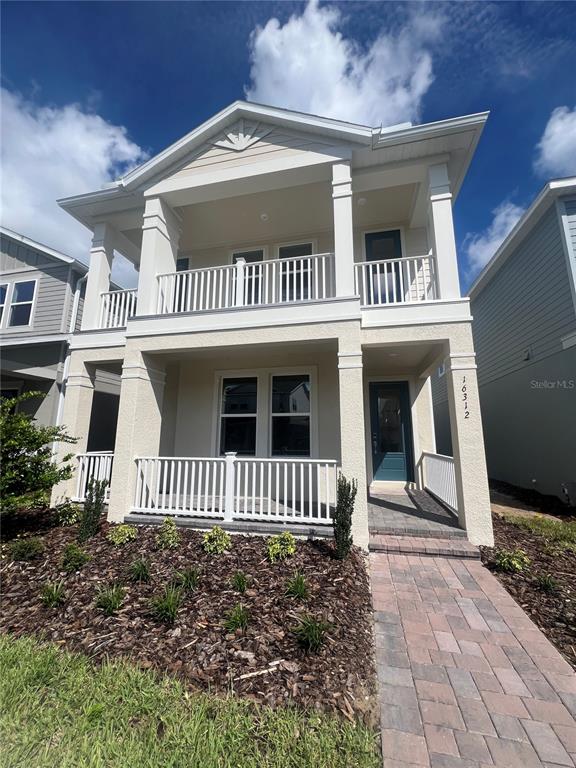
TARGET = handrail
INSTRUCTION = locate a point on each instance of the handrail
(248, 264)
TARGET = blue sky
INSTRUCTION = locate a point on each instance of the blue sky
(126, 79)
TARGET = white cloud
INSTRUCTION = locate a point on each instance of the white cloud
(480, 247)
(308, 65)
(556, 150)
(53, 152)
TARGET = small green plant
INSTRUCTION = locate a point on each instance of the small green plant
(73, 558)
(546, 583)
(93, 509)
(511, 560)
(310, 633)
(26, 549)
(342, 516)
(281, 546)
(237, 618)
(139, 570)
(52, 594)
(110, 598)
(168, 537)
(122, 534)
(68, 513)
(297, 586)
(216, 541)
(165, 607)
(239, 581)
(187, 579)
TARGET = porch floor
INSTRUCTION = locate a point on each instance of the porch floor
(410, 512)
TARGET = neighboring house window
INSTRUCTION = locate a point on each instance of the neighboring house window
(296, 275)
(291, 415)
(238, 415)
(21, 303)
(3, 292)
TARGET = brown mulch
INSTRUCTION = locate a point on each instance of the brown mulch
(264, 663)
(553, 613)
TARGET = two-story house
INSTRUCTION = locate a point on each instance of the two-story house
(298, 284)
(524, 309)
(41, 303)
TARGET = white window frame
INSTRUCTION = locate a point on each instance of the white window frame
(306, 241)
(272, 415)
(245, 249)
(264, 406)
(5, 325)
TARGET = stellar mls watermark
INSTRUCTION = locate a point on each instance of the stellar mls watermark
(553, 384)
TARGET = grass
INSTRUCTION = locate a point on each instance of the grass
(237, 618)
(53, 593)
(557, 532)
(165, 606)
(297, 586)
(110, 598)
(58, 711)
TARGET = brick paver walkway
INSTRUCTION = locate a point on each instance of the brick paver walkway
(465, 678)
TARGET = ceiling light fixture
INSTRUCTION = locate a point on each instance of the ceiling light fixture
(264, 217)
(362, 201)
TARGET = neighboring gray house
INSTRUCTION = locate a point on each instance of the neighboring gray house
(524, 324)
(41, 302)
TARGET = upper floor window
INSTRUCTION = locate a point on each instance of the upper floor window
(16, 301)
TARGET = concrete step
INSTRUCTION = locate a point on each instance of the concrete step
(431, 531)
(423, 545)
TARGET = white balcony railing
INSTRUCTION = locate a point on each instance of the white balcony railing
(93, 465)
(231, 488)
(116, 307)
(276, 281)
(396, 281)
(440, 478)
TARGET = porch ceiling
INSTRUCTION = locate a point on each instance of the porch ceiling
(405, 359)
(256, 355)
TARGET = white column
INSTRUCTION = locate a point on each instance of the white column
(139, 428)
(352, 435)
(101, 255)
(160, 236)
(343, 228)
(468, 448)
(423, 421)
(441, 231)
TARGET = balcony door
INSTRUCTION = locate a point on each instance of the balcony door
(384, 285)
(253, 275)
(391, 431)
(295, 276)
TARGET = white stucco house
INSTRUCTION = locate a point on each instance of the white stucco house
(298, 284)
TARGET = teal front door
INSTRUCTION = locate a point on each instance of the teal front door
(391, 431)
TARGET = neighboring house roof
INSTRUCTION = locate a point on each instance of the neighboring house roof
(552, 190)
(44, 249)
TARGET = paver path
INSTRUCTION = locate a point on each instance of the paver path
(465, 678)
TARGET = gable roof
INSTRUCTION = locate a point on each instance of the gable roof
(45, 249)
(547, 195)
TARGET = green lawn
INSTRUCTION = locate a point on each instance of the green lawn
(56, 709)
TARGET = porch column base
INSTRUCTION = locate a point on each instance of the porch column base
(352, 438)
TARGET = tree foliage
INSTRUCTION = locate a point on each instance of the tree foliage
(28, 468)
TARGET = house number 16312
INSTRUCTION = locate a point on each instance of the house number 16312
(465, 398)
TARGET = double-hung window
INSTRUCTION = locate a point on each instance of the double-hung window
(3, 292)
(291, 415)
(17, 301)
(238, 414)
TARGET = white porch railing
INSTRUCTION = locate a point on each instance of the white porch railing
(116, 307)
(276, 281)
(231, 488)
(93, 465)
(396, 281)
(440, 478)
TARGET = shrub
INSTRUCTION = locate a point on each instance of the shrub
(139, 570)
(216, 541)
(52, 594)
(26, 549)
(547, 583)
(122, 534)
(165, 607)
(168, 537)
(73, 558)
(187, 579)
(511, 560)
(237, 618)
(93, 509)
(28, 469)
(342, 516)
(310, 633)
(297, 586)
(110, 598)
(68, 513)
(281, 546)
(239, 581)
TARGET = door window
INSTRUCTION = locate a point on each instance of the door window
(384, 285)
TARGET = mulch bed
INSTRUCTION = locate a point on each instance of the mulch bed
(264, 663)
(553, 613)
